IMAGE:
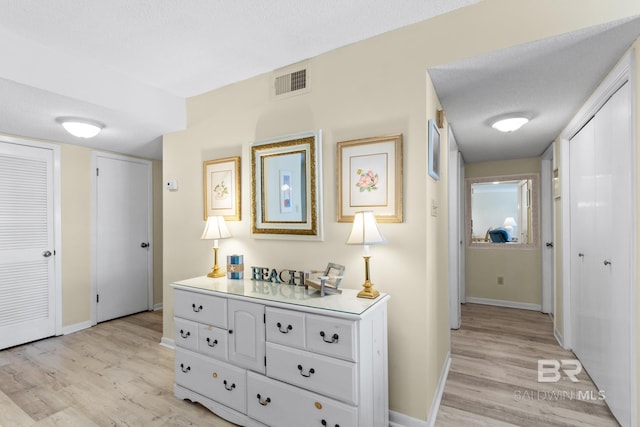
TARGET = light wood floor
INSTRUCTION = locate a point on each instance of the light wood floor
(493, 380)
(114, 374)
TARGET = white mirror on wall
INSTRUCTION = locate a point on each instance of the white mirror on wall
(286, 188)
(502, 211)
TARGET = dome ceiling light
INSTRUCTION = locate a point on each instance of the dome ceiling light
(510, 124)
(81, 128)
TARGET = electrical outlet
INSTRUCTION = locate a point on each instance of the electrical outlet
(500, 280)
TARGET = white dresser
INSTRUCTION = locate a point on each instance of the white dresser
(261, 354)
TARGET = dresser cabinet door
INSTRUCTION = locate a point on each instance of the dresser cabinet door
(186, 334)
(216, 380)
(329, 376)
(246, 335)
(201, 308)
(331, 336)
(285, 327)
(279, 404)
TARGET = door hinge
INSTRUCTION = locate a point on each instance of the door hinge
(97, 298)
(97, 172)
(265, 361)
(264, 318)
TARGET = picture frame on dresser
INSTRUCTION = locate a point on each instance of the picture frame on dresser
(370, 178)
(221, 188)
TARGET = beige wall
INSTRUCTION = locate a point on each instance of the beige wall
(76, 175)
(366, 89)
(521, 268)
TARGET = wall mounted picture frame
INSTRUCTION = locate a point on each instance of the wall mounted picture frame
(370, 178)
(221, 185)
(286, 187)
(434, 150)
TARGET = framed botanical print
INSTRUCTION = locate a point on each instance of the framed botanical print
(222, 188)
(370, 178)
(434, 151)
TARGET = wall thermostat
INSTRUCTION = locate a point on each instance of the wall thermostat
(171, 184)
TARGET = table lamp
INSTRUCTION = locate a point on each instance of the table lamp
(365, 232)
(215, 229)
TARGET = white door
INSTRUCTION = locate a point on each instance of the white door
(601, 249)
(27, 277)
(123, 236)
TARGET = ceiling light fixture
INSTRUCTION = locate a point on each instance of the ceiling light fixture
(510, 124)
(81, 128)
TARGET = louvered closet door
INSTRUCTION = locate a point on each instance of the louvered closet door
(27, 310)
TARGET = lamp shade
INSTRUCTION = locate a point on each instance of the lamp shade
(215, 228)
(509, 222)
(365, 230)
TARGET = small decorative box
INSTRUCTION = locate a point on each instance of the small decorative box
(235, 267)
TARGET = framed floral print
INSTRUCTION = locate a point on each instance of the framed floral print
(370, 178)
(222, 188)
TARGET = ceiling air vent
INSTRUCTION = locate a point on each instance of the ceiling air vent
(291, 80)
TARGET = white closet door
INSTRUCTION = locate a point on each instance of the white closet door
(27, 291)
(582, 175)
(613, 247)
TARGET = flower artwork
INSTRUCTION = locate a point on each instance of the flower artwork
(368, 181)
(221, 191)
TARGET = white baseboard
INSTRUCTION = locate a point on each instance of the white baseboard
(398, 419)
(558, 337)
(76, 327)
(157, 307)
(168, 342)
(503, 303)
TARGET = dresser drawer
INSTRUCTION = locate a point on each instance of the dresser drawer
(331, 336)
(202, 308)
(285, 327)
(212, 341)
(278, 404)
(216, 380)
(186, 334)
(331, 377)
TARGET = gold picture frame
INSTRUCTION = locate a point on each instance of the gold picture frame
(221, 187)
(286, 189)
(370, 178)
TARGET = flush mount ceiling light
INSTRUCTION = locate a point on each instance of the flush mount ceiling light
(509, 124)
(81, 128)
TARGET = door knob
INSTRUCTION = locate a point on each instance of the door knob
(607, 262)
(549, 244)
(46, 254)
(581, 255)
(144, 245)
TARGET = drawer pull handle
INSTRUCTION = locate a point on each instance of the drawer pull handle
(324, 423)
(334, 338)
(309, 372)
(211, 343)
(263, 402)
(183, 335)
(196, 309)
(230, 387)
(284, 331)
(185, 370)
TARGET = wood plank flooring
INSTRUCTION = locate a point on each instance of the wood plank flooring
(114, 374)
(493, 379)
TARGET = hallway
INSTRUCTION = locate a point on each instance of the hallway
(493, 379)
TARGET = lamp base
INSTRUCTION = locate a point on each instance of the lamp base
(368, 291)
(216, 273)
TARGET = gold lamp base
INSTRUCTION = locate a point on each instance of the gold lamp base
(368, 291)
(215, 270)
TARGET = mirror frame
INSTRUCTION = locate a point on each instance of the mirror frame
(535, 211)
(311, 227)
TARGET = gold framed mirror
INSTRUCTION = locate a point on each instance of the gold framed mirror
(286, 189)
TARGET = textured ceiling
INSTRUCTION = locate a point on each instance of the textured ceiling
(548, 80)
(131, 63)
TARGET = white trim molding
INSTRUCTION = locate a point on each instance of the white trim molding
(398, 419)
(504, 303)
(168, 342)
(76, 327)
(157, 307)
